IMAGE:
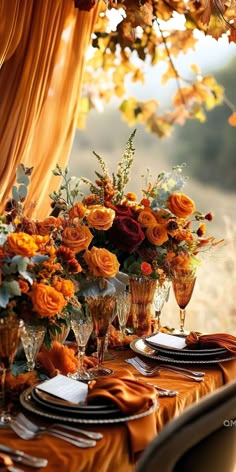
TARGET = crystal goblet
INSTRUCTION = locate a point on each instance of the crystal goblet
(183, 283)
(9, 342)
(101, 309)
(82, 327)
(160, 297)
(32, 336)
(123, 310)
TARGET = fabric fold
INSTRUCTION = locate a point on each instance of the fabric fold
(132, 397)
(208, 341)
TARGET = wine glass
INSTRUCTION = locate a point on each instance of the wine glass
(160, 297)
(82, 327)
(183, 283)
(9, 343)
(101, 309)
(123, 310)
(32, 336)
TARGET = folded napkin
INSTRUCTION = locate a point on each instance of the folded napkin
(227, 341)
(205, 341)
(132, 397)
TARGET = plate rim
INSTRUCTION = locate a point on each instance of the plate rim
(121, 419)
(172, 360)
(72, 406)
(186, 352)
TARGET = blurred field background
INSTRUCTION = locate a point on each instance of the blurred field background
(208, 149)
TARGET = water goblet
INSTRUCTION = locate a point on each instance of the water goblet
(160, 297)
(9, 342)
(101, 309)
(123, 310)
(82, 327)
(32, 336)
(183, 282)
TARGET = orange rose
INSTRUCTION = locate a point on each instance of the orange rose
(157, 234)
(48, 225)
(146, 219)
(131, 196)
(47, 301)
(180, 205)
(66, 287)
(181, 262)
(22, 244)
(146, 268)
(101, 218)
(77, 238)
(101, 262)
(24, 287)
(77, 211)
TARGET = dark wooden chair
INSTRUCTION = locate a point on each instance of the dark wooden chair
(201, 439)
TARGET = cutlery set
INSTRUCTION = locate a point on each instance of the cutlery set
(148, 371)
(26, 429)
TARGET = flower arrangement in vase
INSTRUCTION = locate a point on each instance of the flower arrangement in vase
(153, 237)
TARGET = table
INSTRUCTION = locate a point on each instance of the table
(112, 452)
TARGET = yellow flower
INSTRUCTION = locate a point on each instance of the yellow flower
(101, 218)
(22, 244)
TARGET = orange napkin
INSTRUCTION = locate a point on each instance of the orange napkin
(205, 341)
(227, 341)
(132, 397)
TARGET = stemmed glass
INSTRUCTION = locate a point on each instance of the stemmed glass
(160, 297)
(101, 309)
(32, 336)
(183, 282)
(123, 309)
(82, 326)
(9, 343)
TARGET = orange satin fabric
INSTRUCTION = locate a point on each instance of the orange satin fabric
(132, 397)
(112, 453)
(205, 341)
(42, 51)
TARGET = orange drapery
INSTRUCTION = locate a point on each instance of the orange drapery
(42, 52)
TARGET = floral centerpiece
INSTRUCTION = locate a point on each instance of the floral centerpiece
(151, 237)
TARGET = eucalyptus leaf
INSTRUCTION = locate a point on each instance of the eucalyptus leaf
(22, 191)
(4, 296)
(15, 194)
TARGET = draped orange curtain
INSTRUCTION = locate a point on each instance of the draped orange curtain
(43, 48)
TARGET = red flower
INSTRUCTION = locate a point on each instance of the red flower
(146, 268)
(126, 234)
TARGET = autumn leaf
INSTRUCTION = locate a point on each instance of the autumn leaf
(232, 119)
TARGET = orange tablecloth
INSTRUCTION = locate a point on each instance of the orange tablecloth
(112, 452)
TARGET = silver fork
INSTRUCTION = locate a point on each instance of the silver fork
(157, 369)
(147, 366)
(27, 434)
(22, 419)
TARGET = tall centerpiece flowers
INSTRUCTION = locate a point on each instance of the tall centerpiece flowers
(152, 238)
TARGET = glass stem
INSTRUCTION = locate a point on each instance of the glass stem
(81, 354)
(122, 328)
(182, 320)
(100, 350)
(3, 388)
(158, 317)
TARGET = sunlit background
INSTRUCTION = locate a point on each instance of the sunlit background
(208, 149)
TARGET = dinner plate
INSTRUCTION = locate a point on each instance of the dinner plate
(185, 352)
(29, 404)
(139, 346)
(53, 403)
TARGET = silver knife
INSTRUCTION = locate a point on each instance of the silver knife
(23, 458)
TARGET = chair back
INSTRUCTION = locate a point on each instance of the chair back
(202, 438)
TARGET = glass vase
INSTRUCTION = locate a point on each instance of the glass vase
(142, 290)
